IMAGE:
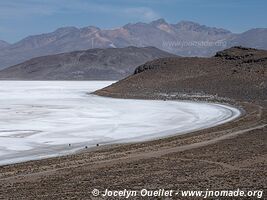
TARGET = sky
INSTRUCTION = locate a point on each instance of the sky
(21, 18)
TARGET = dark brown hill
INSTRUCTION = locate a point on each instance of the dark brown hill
(236, 73)
(92, 64)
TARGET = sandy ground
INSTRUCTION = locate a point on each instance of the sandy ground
(229, 156)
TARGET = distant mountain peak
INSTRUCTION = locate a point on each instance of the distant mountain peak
(129, 25)
(90, 28)
(193, 26)
(158, 22)
(187, 23)
(66, 29)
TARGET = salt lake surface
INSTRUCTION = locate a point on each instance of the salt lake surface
(39, 119)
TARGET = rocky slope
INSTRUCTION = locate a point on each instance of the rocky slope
(92, 64)
(235, 73)
(183, 38)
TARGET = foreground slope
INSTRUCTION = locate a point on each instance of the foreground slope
(232, 156)
(92, 64)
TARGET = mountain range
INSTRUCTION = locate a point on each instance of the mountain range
(184, 38)
(92, 64)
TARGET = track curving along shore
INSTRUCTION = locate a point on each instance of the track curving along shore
(227, 156)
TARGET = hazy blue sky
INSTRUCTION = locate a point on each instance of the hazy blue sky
(20, 18)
